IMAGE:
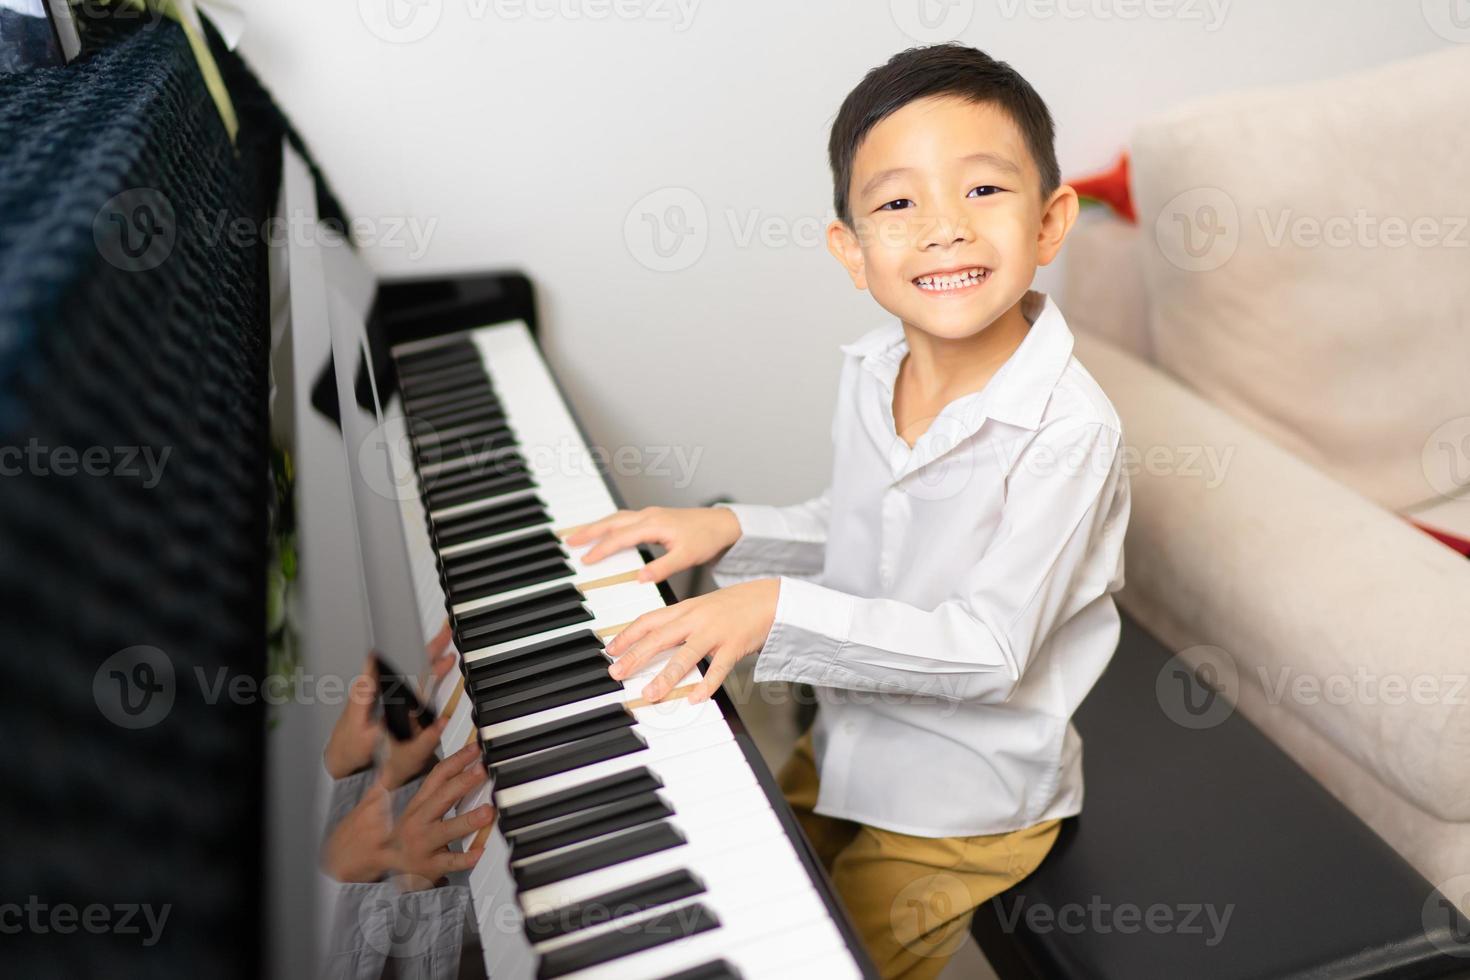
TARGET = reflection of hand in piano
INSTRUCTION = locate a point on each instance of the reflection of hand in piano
(689, 535)
(421, 840)
(355, 736)
(725, 625)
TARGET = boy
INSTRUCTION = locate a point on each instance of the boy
(949, 596)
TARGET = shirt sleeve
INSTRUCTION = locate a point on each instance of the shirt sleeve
(790, 541)
(1048, 558)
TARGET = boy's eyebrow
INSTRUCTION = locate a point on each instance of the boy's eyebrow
(994, 159)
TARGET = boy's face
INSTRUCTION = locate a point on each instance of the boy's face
(948, 225)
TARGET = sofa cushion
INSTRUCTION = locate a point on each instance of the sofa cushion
(1332, 609)
(1309, 265)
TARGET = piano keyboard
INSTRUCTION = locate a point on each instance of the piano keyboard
(634, 841)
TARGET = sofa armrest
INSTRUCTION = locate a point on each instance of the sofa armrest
(1335, 609)
(1103, 288)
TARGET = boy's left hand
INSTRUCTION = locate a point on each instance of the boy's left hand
(724, 625)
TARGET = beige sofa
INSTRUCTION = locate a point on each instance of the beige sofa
(1287, 399)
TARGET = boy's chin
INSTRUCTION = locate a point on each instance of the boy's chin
(956, 318)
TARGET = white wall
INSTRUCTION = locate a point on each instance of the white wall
(526, 141)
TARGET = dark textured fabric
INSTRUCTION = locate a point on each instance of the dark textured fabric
(104, 350)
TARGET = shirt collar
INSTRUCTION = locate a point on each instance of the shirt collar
(1019, 391)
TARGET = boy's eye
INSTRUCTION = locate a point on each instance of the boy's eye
(897, 205)
(984, 190)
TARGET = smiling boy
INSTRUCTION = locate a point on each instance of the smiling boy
(950, 595)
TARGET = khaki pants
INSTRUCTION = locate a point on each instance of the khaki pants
(911, 898)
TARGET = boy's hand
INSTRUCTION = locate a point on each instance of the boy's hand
(725, 625)
(690, 536)
(359, 847)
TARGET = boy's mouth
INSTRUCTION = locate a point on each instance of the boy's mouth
(953, 280)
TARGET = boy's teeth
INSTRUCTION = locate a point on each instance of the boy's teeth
(952, 280)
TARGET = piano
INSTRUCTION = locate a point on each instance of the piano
(633, 840)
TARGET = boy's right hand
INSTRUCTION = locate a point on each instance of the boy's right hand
(689, 535)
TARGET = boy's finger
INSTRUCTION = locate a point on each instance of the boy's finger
(721, 664)
(457, 860)
(440, 642)
(640, 628)
(656, 642)
(628, 536)
(679, 664)
(661, 568)
(449, 766)
(455, 790)
(599, 527)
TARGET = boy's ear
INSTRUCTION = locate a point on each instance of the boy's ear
(1057, 219)
(842, 242)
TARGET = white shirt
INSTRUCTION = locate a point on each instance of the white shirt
(952, 603)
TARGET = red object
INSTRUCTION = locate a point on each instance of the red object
(1444, 537)
(1111, 188)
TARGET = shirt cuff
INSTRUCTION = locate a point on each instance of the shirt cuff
(810, 628)
(767, 543)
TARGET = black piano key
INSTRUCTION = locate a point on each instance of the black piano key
(713, 970)
(429, 368)
(499, 554)
(481, 488)
(494, 710)
(582, 646)
(507, 463)
(449, 348)
(475, 447)
(658, 930)
(482, 464)
(425, 404)
(493, 583)
(474, 412)
(625, 846)
(428, 432)
(487, 682)
(660, 890)
(510, 515)
(553, 733)
(537, 684)
(565, 758)
(575, 799)
(633, 812)
(480, 401)
(452, 379)
(508, 616)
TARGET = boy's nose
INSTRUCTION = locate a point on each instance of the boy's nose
(943, 231)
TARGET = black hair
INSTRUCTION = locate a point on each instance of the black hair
(939, 70)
